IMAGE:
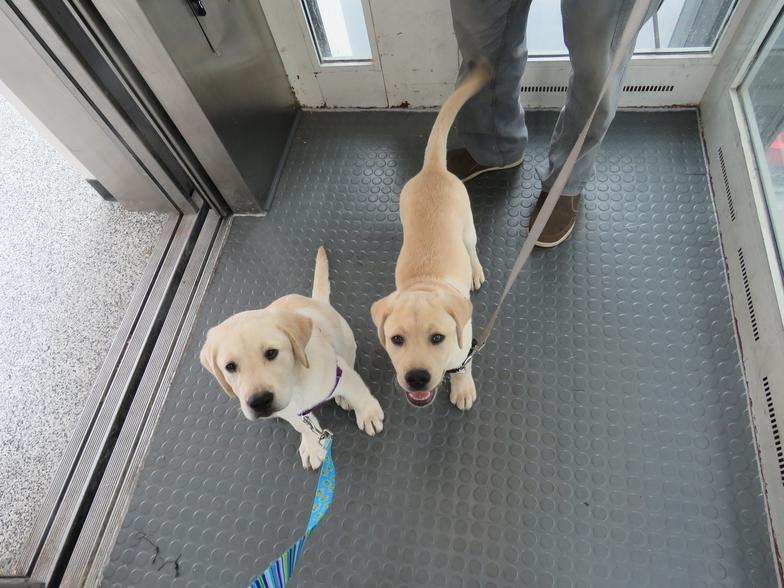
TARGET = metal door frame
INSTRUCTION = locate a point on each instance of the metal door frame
(138, 39)
(112, 497)
(89, 484)
(114, 98)
(66, 89)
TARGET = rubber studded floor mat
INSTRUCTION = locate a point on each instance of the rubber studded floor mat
(610, 445)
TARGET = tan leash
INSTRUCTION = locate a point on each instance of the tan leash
(633, 25)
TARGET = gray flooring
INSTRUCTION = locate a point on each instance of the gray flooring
(69, 263)
(610, 445)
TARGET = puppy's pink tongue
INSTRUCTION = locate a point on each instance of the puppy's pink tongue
(420, 396)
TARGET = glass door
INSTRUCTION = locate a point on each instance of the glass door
(762, 93)
(679, 26)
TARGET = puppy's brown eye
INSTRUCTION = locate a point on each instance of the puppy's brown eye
(397, 340)
(271, 354)
(231, 367)
(436, 338)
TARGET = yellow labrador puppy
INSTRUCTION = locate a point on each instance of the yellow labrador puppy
(290, 357)
(425, 325)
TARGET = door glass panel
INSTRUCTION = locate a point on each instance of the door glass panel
(763, 97)
(679, 26)
(339, 30)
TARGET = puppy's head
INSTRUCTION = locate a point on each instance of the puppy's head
(254, 356)
(422, 330)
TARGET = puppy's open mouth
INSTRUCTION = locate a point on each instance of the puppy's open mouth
(420, 397)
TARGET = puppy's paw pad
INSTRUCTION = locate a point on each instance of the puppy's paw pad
(463, 397)
(370, 418)
(312, 453)
(343, 403)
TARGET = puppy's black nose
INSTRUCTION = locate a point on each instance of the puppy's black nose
(418, 379)
(262, 402)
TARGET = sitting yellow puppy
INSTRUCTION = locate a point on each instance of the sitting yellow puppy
(290, 357)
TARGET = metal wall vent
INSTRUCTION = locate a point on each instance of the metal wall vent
(747, 288)
(629, 88)
(544, 89)
(774, 425)
(649, 88)
(727, 190)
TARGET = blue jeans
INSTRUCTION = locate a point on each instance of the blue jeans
(492, 124)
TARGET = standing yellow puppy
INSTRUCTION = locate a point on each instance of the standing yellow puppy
(425, 325)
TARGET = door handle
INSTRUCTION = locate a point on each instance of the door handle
(198, 7)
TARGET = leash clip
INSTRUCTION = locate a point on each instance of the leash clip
(476, 347)
(322, 433)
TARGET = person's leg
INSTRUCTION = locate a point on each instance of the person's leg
(592, 31)
(491, 125)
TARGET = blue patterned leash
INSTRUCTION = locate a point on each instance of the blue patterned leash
(280, 571)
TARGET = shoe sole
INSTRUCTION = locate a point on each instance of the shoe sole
(548, 245)
(490, 169)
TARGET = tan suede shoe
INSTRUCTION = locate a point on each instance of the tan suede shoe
(460, 163)
(560, 224)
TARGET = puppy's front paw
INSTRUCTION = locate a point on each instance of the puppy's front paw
(477, 275)
(463, 392)
(311, 452)
(343, 403)
(370, 416)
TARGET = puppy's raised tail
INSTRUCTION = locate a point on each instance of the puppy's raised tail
(321, 276)
(435, 153)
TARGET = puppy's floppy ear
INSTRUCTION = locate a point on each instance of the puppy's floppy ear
(379, 313)
(208, 358)
(460, 309)
(298, 329)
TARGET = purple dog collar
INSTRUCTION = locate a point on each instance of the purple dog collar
(338, 375)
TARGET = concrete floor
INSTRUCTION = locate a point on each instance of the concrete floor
(69, 262)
